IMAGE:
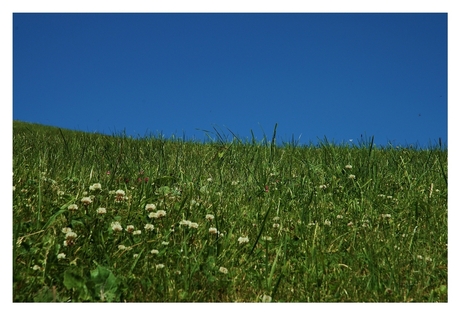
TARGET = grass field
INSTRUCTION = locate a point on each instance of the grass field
(111, 218)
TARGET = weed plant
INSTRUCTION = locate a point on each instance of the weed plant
(110, 218)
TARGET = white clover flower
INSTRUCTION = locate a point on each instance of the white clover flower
(160, 213)
(137, 232)
(148, 227)
(266, 298)
(322, 186)
(339, 216)
(135, 256)
(70, 238)
(150, 207)
(351, 176)
(72, 207)
(242, 240)
(153, 215)
(267, 238)
(212, 230)
(327, 222)
(193, 225)
(129, 228)
(121, 247)
(223, 270)
(159, 266)
(71, 234)
(101, 211)
(36, 267)
(185, 222)
(86, 200)
(61, 256)
(276, 225)
(116, 226)
(66, 230)
(120, 196)
(386, 216)
(154, 251)
(348, 167)
(209, 217)
(95, 186)
(276, 218)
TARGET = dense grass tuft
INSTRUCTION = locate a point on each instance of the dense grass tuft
(110, 218)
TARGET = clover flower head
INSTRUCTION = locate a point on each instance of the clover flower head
(61, 256)
(116, 226)
(70, 238)
(159, 266)
(96, 186)
(137, 232)
(154, 251)
(101, 211)
(121, 247)
(213, 230)
(266, 298)
(223, 270)
(209, 217)
(243, 240)
(348, 167)
(72, 207)
(185, 222)
(150, 207)
(149, 227)
(129, 228)
(86, 200)
(351, 176)
(66, 230)
(160, 213)
(120, 195)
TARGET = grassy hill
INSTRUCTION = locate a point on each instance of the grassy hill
(111, 218)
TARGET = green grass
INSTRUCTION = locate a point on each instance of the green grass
(324, 223)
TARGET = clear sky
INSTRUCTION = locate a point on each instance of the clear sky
(339, 76)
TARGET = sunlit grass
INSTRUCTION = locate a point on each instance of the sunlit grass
(110, 218)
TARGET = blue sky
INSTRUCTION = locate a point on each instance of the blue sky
(339, 76)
